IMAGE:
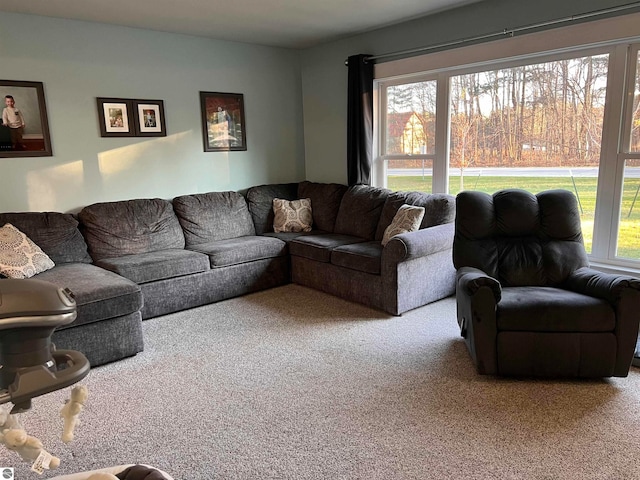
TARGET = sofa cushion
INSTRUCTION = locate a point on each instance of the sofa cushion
(206, 217)
(364, 257)
(319, 247)
(152, 266)
(439, 208)
(238, 250)
(325, 202)
(292, 215)
(114, 229)
(360, 211)
(407, 219)
(19, 256)
(260, 203)
(55, 233)
(99, 294)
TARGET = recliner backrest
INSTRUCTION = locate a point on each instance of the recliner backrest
(519, 238)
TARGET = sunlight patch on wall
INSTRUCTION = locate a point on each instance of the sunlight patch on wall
(143, 167)
(138, 155)
(48, 188)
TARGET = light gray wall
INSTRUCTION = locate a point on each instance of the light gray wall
(324, 75)
(79, 61)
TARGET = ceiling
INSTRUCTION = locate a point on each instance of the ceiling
(280, 23)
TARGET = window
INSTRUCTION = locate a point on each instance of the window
(538, 122)
(410, 135)
(536, 126)
(628, 240)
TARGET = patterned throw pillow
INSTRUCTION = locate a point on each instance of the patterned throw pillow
(292, 215)
(19, 256)
(407, 219)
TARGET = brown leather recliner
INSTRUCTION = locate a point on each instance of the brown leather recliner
(528, 304)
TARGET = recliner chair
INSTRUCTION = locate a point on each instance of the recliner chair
(527, 302)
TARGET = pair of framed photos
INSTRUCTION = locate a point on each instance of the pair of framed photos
(123, 117)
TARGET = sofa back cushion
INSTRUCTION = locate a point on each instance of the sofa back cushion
(325, 202)
(55, 233)
(360, 211)
(206, 217)
(260, 202)
(113, 229)
(439, 208)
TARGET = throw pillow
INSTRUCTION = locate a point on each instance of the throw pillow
(407, 219)
(292, 215)
(19, 256)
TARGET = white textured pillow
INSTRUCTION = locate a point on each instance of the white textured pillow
(19, 256)
(292, 215)
(407, 219)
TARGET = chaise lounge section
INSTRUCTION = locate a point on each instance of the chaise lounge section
(108, 326)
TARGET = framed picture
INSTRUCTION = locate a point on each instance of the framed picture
(223, 123)
(115, 116)
(24, 131)
(149, 118)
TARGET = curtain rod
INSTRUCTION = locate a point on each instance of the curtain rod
(504, 33)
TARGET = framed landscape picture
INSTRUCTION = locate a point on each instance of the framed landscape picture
(115, 116)
(223, 122)
(149, 118)
(24, 127)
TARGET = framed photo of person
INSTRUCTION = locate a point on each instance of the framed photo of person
(149, 118)
(223, 122)
(115, 116)
(24, 127)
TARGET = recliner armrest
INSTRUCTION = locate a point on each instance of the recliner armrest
(470, 280)
(607, 286)
(420, 243)
(623, 293)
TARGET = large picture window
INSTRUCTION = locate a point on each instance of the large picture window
(534, 123)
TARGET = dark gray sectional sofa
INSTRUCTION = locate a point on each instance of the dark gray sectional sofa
(131, 260)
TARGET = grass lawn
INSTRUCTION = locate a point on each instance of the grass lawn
(629, 236)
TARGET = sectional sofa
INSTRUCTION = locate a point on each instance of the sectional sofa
(131, 260)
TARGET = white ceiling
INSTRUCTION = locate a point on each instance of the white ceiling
(282, 23)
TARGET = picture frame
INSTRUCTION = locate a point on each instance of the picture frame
(115, 116)
(223, 121)
(24, 103)
(149, 118)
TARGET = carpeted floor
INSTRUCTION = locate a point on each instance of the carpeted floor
(290, 383)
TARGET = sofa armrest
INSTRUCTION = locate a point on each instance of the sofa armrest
(420, 243)
(469, 280)
(606, 286)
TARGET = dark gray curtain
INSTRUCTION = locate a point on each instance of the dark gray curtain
(360, 120)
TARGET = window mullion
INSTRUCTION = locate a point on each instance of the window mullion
(441, 161)
(606, 218)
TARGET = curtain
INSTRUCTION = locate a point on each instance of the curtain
(359, 120)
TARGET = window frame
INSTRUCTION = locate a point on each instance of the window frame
(616, 128)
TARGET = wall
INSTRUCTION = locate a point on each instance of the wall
(79, 61)
(324, 75)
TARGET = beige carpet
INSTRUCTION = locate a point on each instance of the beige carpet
(290, 383)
